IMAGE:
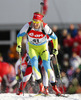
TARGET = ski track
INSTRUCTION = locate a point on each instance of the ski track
(13, 96)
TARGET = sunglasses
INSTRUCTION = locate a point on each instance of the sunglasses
(37, 22)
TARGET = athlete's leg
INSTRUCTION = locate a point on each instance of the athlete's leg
(46, 63)
(33, 53)
(26, 77)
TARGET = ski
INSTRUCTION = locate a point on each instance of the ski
(35, 95)
(46, 95)
(63, 95)
(40, 94)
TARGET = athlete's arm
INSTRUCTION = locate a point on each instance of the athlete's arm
(22, 32)
(52, 36)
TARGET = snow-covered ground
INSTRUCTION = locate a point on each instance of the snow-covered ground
(12, 96)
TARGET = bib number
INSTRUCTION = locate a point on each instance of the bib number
(36, 41)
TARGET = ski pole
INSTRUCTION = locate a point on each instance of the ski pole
(59, 73)
(51, 63)
(21, 71)
(42, 4)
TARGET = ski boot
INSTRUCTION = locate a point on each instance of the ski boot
(21, 88)
(19, 92)
(46, 92)
(41, 88)
(58, 93)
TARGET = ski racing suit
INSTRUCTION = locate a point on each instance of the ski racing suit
(38, 46)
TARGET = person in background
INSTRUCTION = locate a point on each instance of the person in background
(72, 31)
(65, 82)
(68, 43)
(57, 32)
(26, 70)
(10, 81)
(12, 54)
(7, 73)
(76, 48)
(63, 36)
(75, 61)
(78, 37)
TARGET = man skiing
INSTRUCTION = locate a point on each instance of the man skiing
(36, 31)
(26, 70)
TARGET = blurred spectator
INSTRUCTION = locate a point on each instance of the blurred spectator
(77, 75)
(75, 60)
(76, 48)
(5, 69)
(12, 54)
(77, 40)
(63, 36)
(10, 81)
(1, 57)
(70, 73)
(65, 82)
(55, 28)
(57, 32)
(80, 66)
(73, 86)
(71, 89)
(78, 37)
(65, 62)
(72, 31)
(68, 43)
(60, 55)
(78, 90)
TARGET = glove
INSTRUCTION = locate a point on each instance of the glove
(18, 48)
(55, 52)
(17, 77)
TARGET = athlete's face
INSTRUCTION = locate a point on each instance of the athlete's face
(36, 23)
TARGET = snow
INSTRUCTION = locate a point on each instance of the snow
(13, 96)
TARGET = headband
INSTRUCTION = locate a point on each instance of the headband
(37, 16)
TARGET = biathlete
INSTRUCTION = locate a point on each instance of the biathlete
(37, 31)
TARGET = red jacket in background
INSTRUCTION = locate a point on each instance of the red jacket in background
(4, 69)
(78, 39)
(68, 42)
